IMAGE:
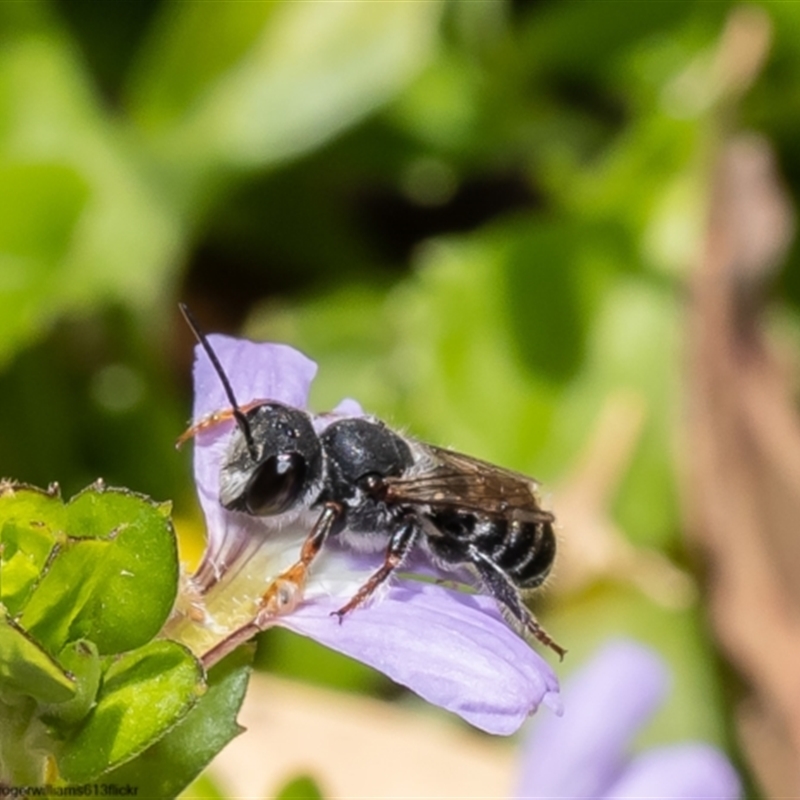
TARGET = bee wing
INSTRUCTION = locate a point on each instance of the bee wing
(453, 479)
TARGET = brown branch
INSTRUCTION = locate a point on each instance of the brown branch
(744, 442)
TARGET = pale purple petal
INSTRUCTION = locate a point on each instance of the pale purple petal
(256, 371)
(682, 772)
(348, 408)
(452, 649)
(581, 753)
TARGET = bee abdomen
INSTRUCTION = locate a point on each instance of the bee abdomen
(533, 567)
(524, 550)
(514, 543)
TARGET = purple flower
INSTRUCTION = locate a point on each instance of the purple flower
(451, 648)
(584, 753)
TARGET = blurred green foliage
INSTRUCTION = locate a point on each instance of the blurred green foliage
(476, 216)
(301, 788)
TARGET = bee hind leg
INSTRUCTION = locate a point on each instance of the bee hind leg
(498, 583)
(403, 539)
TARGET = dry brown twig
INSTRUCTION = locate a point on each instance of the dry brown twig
(743, 450)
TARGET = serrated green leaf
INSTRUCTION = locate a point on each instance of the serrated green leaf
(66, 588)
(25, 668)
(140, 572)
(30, 524)
(143, 695)
(114, 582)
(99, 512)
(83, 663)
(169, 765)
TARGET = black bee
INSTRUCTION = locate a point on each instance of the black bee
(377, 490)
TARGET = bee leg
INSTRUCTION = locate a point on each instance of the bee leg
(285, 592)
(213, 419)
(399, 547)
(503, 590)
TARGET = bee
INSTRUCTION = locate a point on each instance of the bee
(377, 490)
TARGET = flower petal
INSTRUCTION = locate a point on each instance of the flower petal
(348, 408)
(451, 648)
(256, 371)
(689, 771)
(581, 754)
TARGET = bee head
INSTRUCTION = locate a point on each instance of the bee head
(274, 458)
(274, 471)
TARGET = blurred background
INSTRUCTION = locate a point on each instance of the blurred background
(554, 235)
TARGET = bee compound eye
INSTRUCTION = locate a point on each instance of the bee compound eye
(275, 484)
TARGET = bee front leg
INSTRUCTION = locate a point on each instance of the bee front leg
(285, 592)
(399, 547)
(498, 583)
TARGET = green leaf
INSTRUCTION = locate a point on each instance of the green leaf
(24, 743)
(143, 695)
(83, 663)
(170, 764)
(303, 787)
(140, 571)
(30, 527)
(286, 77)
(25, 668)
(115, 579)
(67, 587)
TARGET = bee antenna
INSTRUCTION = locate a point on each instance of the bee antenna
(241, 419)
